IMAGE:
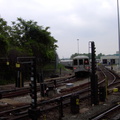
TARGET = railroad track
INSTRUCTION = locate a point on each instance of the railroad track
(111, 113)
(48, 105)
(110, 78)
(21, 112)
(54, 104)
(23, 91)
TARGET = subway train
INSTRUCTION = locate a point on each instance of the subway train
(81, 65)
(68, 63)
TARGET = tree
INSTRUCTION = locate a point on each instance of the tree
(33, 40)
(3, 46)
(99, 55)
(26, 38)
(4, 36)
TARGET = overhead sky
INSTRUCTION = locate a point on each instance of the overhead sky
(70, 20)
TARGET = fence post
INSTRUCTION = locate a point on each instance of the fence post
(74, 102)
(102, 94)
(60, 108)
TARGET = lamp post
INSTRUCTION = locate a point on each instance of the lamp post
(78, 45)
(118, 32)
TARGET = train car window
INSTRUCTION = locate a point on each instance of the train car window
(81, 62)
(74, 62)
(112, 61)
(86, 61)
(104, 61)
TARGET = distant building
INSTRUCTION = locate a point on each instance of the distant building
(117, 52)
(109, 59)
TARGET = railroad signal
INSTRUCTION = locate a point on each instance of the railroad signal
(33, 91)
(19, 80)
(17, 65)
(7, 63)
(33, 111)
(74, 102)
(93, 51)
(94, 79)
(32, 69)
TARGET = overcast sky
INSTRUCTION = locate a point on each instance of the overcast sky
(69, 20)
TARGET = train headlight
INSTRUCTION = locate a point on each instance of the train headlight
(87, 67)
(75, 68)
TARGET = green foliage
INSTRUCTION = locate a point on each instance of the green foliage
(4, 28)
(3, 46)
(99, 55)
(60, 66)
(26, 38)
(4, 36)
(33, 39)
(4, 82)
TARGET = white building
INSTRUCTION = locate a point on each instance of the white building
(109, 59)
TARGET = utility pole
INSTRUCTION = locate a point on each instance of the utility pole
(118, 32)
(78, 45)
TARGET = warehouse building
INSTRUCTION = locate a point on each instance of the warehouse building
(109, 59)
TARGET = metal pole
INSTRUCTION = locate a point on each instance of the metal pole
(118, 32)
(78, 45)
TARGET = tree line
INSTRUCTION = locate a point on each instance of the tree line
(26, 38)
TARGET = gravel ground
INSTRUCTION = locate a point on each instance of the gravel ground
(87, 111)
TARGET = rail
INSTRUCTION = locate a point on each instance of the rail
(102, 114)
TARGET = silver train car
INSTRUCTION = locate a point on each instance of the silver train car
(67, 63)
(81, 65)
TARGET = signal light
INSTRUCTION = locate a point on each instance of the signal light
(31, 85)
(87, 68)
(7, 63)
(17, 65)
(85, 61)
(75, 68)
(32, 95)
(33, 92)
